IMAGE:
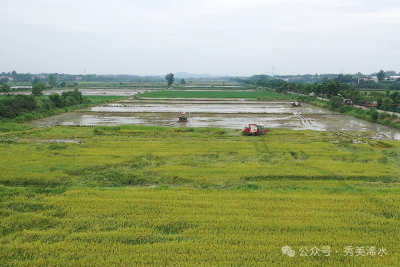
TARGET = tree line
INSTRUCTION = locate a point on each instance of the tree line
(385, 100)
(12, 106)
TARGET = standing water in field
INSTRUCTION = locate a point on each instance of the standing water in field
(233, 114)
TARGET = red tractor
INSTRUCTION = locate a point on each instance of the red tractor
(373, 104)
(255, 129)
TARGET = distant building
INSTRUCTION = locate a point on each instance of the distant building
(374, 78)
(361, 80)
(394, 78)
(78, 78)
(10, 79)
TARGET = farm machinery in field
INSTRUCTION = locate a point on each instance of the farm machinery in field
(296, 103)
(255, 129)
(183, 117)
(374, 104)
(346, 101)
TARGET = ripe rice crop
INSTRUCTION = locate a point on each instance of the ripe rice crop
(183, 226)
(142, 195)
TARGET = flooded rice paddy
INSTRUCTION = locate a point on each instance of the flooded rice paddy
(100, 91)
(233, 114)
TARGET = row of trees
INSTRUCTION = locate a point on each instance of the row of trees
(324, 78)
(69, 78)
(13, 106)
(385, 100)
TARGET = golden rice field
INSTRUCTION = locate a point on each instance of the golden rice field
(130, 195)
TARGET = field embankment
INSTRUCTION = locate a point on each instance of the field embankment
(264, 95)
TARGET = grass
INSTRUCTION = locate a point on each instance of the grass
(146, 195)
(104, 98)
(213, 94)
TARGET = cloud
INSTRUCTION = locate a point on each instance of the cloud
(306, 35)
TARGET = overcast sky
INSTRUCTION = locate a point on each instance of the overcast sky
(220, 37)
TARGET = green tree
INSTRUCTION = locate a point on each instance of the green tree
(14, 75)
(170, 78)
(370, 99)
(5, 88)
(183, 81)
(57, 100)
(374, 114)
(63, 84)
(37, 89)
(335, 102)
(387, 102)
(381, 75)
(36, 80)
(52, 80)
(75, 97)
(260, 83)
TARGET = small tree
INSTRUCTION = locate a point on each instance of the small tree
(63, 84)
(37, 89)
(5, 88)
(381, 75)
(170, 78)
(57, 100)
(387, 102)
(36, 80)
(183, 81)
(374, 114)
(335, 102)
(52, 80)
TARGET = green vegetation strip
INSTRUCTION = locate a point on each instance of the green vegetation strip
(104, 98)
(39, 112)
(213, 94)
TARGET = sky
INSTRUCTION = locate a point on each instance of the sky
(219, 37)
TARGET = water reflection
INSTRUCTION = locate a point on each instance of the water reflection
(215, 114)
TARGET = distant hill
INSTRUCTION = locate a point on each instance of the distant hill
(186, 75)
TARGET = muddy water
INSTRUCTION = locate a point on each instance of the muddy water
(210, 107)
(226, 114)
(97, 91)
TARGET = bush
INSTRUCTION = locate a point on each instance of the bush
(383, 115)
(335, 102)
(374, 114)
